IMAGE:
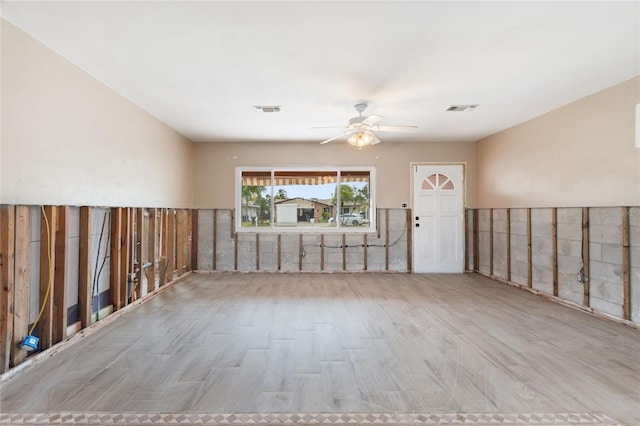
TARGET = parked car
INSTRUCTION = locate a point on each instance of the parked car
(352, 219)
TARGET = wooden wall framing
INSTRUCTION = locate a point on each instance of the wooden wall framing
(132, 256)
(583, 273)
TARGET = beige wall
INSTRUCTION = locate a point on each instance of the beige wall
(582, 154)
(69, 139)
(215, 165)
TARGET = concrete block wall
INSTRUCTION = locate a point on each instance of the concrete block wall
(542, 250)
(519, 247)
(500, 243)
(469, 239)
(605, 236)
(301, 251)
(484, 243)
(570, 254)
(606, 280)
(634, 237)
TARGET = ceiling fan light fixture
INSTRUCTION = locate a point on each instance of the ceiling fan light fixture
(361, 139)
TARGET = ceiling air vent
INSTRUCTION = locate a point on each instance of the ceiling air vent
(268, 108)
(460, 108)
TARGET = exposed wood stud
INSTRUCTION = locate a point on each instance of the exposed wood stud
(476, 240)
(60, 290)
(235, 252)
(215, 239)
(508, 213)
(162, 248)
(386, 240)
(409, 225)
(626, 264)
(490, 242)
(344, 252)
(300, 251)
(171, 244)
(529, 251)
(322, 252)
(365, 245)
(114, 260)
(466, 240)
(257, 251)
(585, 255)
(7, 278)
(47, 266)
(279, 252)
(233, 223)
(22, 282)
(180, 242)
(139, 244)
(192, 240)
(125, 239)
(554, 241)
(151, 258)
(378, 221)
(84, 268)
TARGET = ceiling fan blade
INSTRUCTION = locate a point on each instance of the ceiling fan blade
(337, 136)
(371, 120)
(375, 140)
(407, 129)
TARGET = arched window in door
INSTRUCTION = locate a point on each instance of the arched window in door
(438, 181)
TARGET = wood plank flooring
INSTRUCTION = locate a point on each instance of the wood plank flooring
(341, 343)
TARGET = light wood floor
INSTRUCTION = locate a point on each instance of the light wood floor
(312, 343)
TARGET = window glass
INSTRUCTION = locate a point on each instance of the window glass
(255, 199)
(286, 198)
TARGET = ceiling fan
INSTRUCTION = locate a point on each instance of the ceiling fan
(361, 129)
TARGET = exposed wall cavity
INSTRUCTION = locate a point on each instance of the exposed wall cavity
(220, 248)
(587, 256)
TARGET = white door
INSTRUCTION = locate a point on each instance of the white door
(438, 211)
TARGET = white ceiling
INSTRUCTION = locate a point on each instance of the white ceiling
(200, 67)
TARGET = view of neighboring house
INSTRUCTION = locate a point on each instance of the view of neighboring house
(250, 211)
(307, 209)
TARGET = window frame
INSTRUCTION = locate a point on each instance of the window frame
(339, 228)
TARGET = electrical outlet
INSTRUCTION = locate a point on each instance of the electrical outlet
(404, 205)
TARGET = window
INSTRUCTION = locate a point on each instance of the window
(320, 199)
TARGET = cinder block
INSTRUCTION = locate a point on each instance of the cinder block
(205, 255)
(608, 234)
(247, 252)
(483, 220)
(606, 307)
(612, 253)
(569, 265)
(607, 272)
(541, 230)
(519, 215)
(570, 231)
(540, 245)
(268, 252)
(635, 291)
(541, 216)
(569, 288)
(542, 279)
(569, 248)
(569, 216)
(595, 251)
(605, 216)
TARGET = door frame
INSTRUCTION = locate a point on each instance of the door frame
(413, 164)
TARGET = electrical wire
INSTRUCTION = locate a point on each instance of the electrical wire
(46, 295)
(404, 231)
